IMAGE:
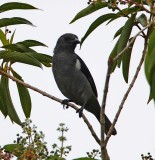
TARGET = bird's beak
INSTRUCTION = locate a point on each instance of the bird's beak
(76, 40)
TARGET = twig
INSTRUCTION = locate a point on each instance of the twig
(126, 94)
(139, 5)
(136, 23)
(102, 117)
(132, 40)
(55, 99)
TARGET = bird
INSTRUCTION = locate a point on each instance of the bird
(74, 79)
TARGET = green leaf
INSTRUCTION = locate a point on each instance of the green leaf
(24, 95)
(118, 32)
(152, 86)
(43, 58)
(8, 101)
(112, 55)
(12, 37)
(19, 57)
(151, 40)
(148, 57)
(125, 34)
(15, 149)
(150, 65)
(90, 9)
(126, 62)
(13, 21)
(3, 38)
(96, 23)
(18, 47)
(32, 43)
(125, 12)
(3, 108)
(142, 19)
(15, 5)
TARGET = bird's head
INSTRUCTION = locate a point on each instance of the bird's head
(67, 42)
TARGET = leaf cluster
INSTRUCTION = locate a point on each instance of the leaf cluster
(19, 52)
(138, 14)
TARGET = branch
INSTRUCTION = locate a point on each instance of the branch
(127, 93)
(53, 98)
(132, 41)
(139, 5)
(110, 62)
(102, 117)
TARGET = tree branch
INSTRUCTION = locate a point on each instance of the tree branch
(53, 98)
(110, 62)
(127, 93)
(102, 117)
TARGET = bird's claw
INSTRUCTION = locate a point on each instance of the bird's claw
(80, 111)
(65, 103)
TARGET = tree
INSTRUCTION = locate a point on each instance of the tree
(139, 14)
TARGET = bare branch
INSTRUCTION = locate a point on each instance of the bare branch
(102, 117)
(55, 99)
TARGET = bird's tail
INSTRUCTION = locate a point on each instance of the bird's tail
(95, 109)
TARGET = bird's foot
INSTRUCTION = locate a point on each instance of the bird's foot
(80, 111)
(65, 103)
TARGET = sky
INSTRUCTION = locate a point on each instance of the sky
(135, 125)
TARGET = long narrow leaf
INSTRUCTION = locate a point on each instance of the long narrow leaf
(125, 12)
(3, 38)
(24, 95)
(3, 107)
(32, 43)
(112, 55)
(12, 37)
(125, 35)
(118, 32)
(15, 5)
(96, 23)
(19, 57)
(18, 48)
(8, 101)
(90, 9)
(126, 62)
(152, 86)
(13, 21)
(40, 57)
(148, 58)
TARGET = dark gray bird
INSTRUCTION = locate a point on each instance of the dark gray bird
(74, 79)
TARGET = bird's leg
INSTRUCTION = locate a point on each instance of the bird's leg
(65, 103)
(80, 111)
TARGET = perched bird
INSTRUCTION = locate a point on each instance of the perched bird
(74, 79)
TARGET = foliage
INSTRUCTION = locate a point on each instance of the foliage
(31, 144)
(11, 53)
(139, 14)
(62, 150)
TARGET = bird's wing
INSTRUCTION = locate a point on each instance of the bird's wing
(88, 75)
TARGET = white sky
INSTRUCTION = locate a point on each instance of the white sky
(135, 126)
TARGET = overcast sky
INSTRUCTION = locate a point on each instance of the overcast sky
(135, 126)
